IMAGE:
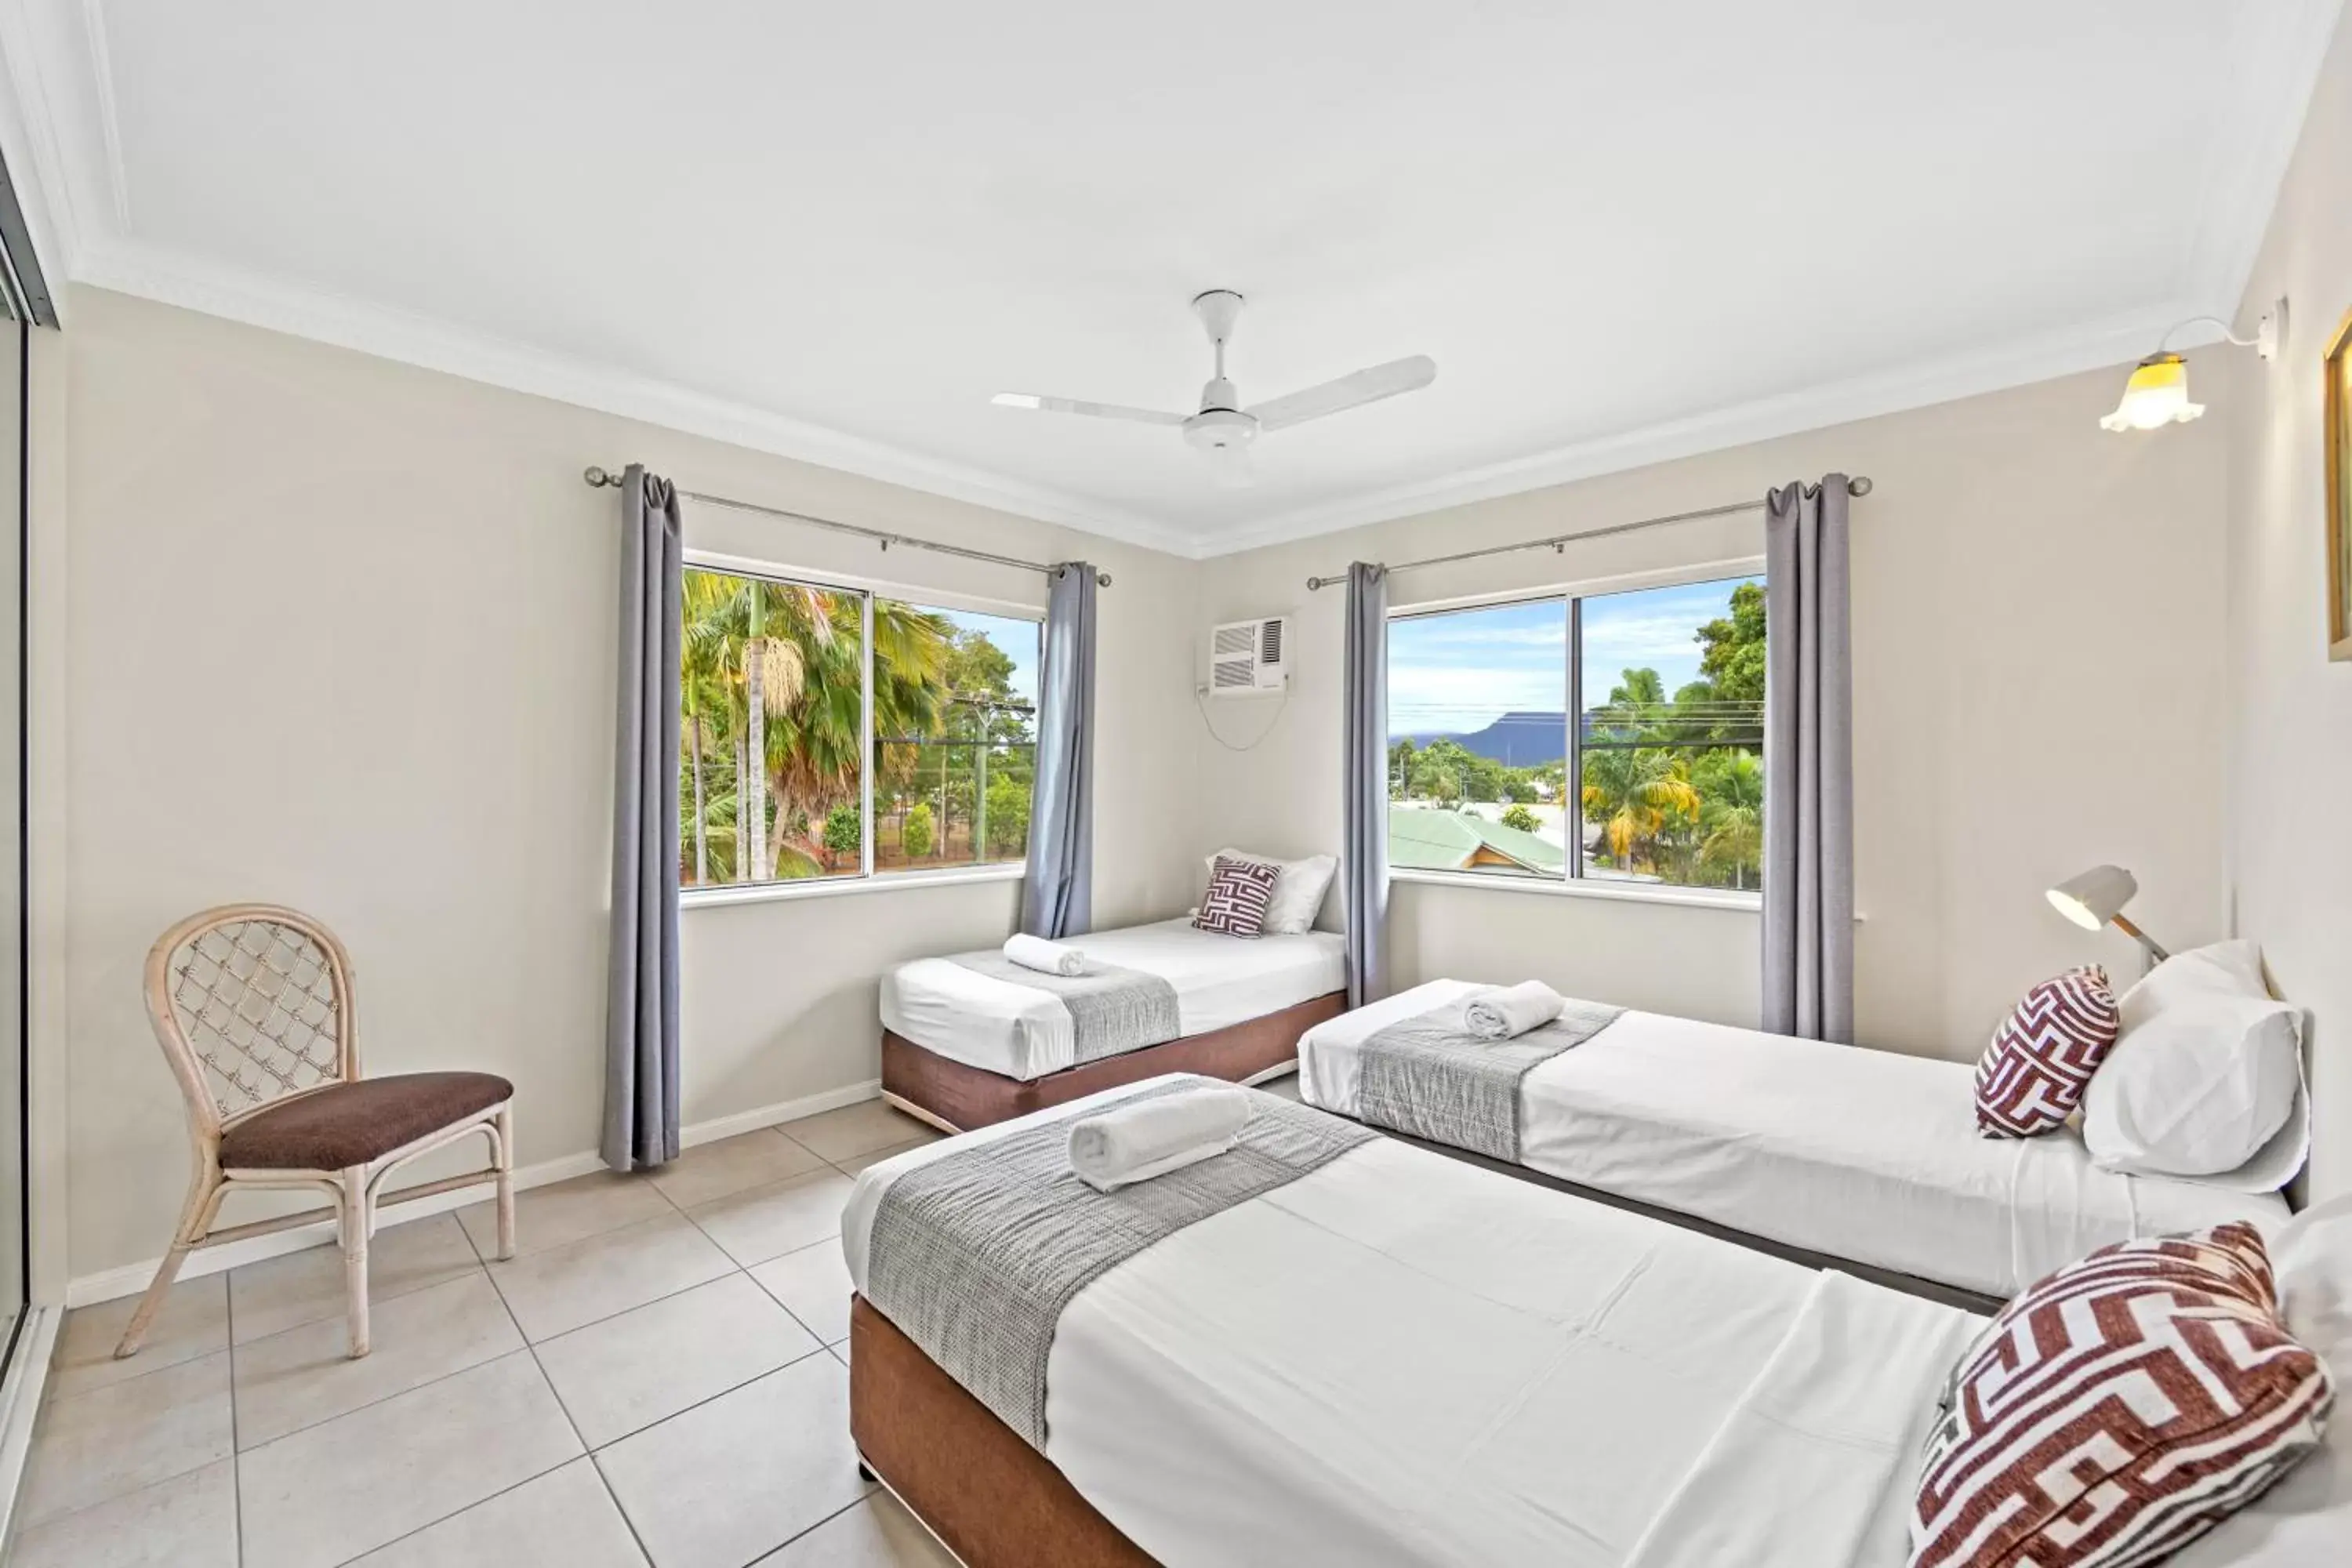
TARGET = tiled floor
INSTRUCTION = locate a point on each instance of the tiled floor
(659, 1376)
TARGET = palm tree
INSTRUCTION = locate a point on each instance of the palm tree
(1733, 816)
(1634, 793)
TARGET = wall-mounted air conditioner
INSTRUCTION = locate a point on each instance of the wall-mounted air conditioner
(1245, 657)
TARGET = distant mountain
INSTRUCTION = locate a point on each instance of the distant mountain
(1515, 740)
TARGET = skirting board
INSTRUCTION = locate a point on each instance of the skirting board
(108, 1284)
(20, 1402)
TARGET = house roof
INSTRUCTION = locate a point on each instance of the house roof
(1424, 840)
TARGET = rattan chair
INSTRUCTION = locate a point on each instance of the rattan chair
(253, 1006)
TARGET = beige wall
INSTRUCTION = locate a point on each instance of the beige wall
(337, 633)
(2038, 688)
(2289, 739)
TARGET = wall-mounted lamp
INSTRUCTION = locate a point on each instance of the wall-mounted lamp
(2157, 393)
(2097, 898)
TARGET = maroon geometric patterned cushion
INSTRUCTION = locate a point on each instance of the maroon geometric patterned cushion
(2119, 1409)
(1239, 892)
(2031, 1076)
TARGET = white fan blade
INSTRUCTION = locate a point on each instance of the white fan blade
(1348, 392)
(1073, 406)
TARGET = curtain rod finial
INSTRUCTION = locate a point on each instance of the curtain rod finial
(598, 478)
(1858, 485)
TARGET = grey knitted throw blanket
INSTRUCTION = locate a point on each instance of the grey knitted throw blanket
(975, 1254)
(1429, 1076)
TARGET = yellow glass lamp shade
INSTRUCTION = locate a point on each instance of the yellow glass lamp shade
(2156, 395)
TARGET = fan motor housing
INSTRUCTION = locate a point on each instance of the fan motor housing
(1214, 429)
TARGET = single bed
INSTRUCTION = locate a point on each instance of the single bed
(1402, 1359)
(965, 1048)
(1861, 1156)
(1398, 1359)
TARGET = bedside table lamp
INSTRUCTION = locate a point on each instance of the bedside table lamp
(2097, 898)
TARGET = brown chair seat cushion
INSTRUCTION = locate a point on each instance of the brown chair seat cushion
(354, 1123)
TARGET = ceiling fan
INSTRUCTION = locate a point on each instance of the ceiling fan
(1222, 431)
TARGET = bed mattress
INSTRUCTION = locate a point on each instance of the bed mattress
(1400, 1359)
(1862, 1155)
(1024, 1033)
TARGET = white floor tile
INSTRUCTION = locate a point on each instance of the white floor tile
(303, 1286)
(563, 1211)
(565, 1519)
(567, 1287)
(629, 1372)
(768, 1222)
(852, 1165)
(859, 1128)
(188, 1521)
(362, 1481)
(877, 1533)
(194, 1322)
(739, 1477)
(711, 1171)
(127, 1435)
(304, 1375)
(813, 1285)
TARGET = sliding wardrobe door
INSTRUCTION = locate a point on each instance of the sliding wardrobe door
(13, 1250)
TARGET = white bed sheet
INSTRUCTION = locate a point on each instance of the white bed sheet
(1400, 1359)
(1862, 1155)
(1024, 1033)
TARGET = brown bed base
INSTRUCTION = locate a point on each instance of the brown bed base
(956, 1097)
(990, 1498)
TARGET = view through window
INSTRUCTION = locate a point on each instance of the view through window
(1666, 750)
(780, 671)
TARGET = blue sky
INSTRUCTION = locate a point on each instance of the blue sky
(1456, 673)
(1018, 638)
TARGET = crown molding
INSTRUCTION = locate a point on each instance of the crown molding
(2275, 77)
(2046, 357)
(153, 272)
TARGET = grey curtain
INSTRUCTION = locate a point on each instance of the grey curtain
(1058, 900)
(1808, 765)
(1364, 814)
(641, 1032)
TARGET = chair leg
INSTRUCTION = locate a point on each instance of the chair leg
(195, 1218)
(356, 1224)
(506, 1181)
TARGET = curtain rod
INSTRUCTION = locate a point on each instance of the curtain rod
(598, 478)
(1857, 485)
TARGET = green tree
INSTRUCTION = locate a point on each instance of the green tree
(1731, 815)
(915, 838)
(1634, 794)
(1521, 818)
(842, 835)
(1008, 818)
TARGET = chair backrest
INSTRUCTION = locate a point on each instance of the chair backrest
(251, 1003)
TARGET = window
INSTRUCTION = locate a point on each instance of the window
(781, 685)
(1666, 751)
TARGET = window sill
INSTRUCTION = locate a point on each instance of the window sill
(1564, 888)
(835, 887)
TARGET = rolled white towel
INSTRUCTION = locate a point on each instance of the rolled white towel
(1507, 1012)
(1148, 1137)
(1046, 957)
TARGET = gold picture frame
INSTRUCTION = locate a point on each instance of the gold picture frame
(2337, 404)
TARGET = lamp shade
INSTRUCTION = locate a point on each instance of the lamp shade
(2095, 896)
(2157, 393)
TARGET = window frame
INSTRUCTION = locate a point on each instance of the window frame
(1572, 880)
(865, 879)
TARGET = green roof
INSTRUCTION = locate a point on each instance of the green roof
(1424, 840)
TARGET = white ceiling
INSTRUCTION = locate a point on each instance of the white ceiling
(1626, 232)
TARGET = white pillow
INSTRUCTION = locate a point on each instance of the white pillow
(1298, 887)
(2206, 1078)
